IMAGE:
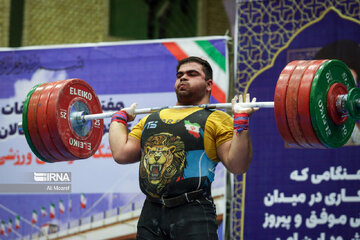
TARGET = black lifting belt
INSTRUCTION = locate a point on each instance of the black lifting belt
(179, 200)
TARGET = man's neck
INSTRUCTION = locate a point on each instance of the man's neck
(204, 101)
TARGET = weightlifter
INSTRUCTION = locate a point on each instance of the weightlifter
(178, 150)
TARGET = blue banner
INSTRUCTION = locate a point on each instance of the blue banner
(95, 190)
(293, 194)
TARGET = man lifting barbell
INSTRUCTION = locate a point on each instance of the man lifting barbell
(316, 104)
(179, 150)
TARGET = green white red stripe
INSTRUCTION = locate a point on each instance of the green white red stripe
(204, 49)
(34, 217)
(2, 228)
(9, 226)
(70, 203)
(82, 201)
(192, 128)
(52, 210)
(61, 207)
(43, 212)
(17, 222)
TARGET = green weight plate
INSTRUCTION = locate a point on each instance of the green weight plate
(351, 106)
(330, 134)
(25, 124)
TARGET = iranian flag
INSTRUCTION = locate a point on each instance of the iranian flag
(2, 229)
(9, 226)
(61, 207)
(43, 212)
(17, 222)
(52, 210)
(192, 128)
(70, 204)
(34, 217)
(82, 201)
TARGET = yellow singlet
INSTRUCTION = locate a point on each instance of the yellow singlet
(218, 127)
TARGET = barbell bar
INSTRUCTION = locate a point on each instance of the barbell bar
(315, 103)
(81, 117)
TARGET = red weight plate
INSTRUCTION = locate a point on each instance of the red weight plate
(62, 102)
(304, 104)
(42, 124)
(292, 104)
(335, 90)
(32, 125)
(280, 103)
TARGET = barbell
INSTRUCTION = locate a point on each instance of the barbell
(315, 103)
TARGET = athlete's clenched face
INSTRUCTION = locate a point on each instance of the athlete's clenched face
(191, 87)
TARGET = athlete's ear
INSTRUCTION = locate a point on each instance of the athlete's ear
(209, 85)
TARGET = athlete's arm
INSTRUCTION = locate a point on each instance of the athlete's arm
(236, 154)
(125, 149)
